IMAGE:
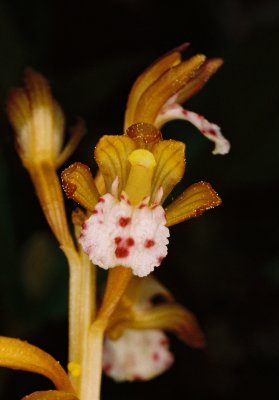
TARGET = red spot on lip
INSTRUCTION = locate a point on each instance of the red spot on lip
(185, 112)
(211, 132)
(164, 342)
(101, 200)
(149, 243)
(124, 221)
(107, 367)
(130, 241)
(137, 377)
(121, 252)
(95, 211)
(117, 240)
(160, 259)
(84, 225)
(155, 356)
(142, 206)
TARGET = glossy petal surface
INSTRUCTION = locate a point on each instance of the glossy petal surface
(147, 78)
(171, 82)
(170, 166)
(79, 185)
(111, 154)
(196, 199)
(50, 395)
(17, 354)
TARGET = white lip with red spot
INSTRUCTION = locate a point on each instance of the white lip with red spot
(120, 234)
(172, 110)
(137, 355)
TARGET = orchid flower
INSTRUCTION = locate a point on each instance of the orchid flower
(128, 225)
(123, 227)
(158, 93)
(136, 348)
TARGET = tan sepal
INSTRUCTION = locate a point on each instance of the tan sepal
(171, 82)
(117, 282)
(111, 154)
(145, 135)
(173, 318)
(196, 84)
(17, 354)
(49, 192)
(170, 166)
(196, 199)
(76, 134)
(147, 78)
(78, 184)
(37, 120)
(50, 395)
(100, 183)
(142, 290)
(78, 219)
(137, 297)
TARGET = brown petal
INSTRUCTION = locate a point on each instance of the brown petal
(37, 120)
(147, 78)
(111, 154)
(78, 184)
(50, 395)
(168, 84)
(50, 194)
(173, 318)
(16, 354)
(142, 290)
(196, 84)
(196, 199)
(100, 183)
(170, 166)
(145, 135)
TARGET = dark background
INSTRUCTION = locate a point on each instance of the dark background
(224, 265)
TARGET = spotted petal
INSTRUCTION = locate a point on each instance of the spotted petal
(137, 355)
(78, 184)
(170, 166)
(111, 154)
(211, 131)
(196, 199)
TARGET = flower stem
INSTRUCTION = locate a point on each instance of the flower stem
(82, 309)
(118, 280)
(92, 363)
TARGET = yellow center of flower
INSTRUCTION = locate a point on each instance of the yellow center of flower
(140, 177)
